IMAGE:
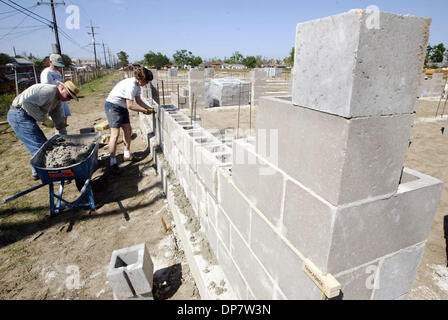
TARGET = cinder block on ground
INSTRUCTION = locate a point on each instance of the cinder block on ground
(229, 92)
(130, 272)
(342, 160)
(344, 64)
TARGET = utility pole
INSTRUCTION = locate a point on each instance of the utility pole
(110, 57)
(93, 41)
(55, 24)
(104, 51)
(15, 54)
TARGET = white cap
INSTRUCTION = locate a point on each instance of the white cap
(56, 59)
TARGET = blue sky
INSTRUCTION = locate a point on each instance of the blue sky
(207, 28)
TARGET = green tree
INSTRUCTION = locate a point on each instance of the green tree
(156, 60)
(236, 58)
(184, 57)
(290, 59)
(250, 61)
(123, 61)
(66, 60)
(195, 61)
(437, 53)
(5, 59)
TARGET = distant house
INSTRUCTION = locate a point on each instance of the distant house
(22, 62)
(233, 66)
(88, 63)
(217, 65)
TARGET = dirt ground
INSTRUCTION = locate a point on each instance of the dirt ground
(67, 256)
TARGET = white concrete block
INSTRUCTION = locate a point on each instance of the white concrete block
(364, 232)
(233, 203)
(223, 228)
(345, 63)
(235, 278)
(258, 180)
(257, 279)
(281, 262)
(130, 271)
(342, 160)
(398, 272)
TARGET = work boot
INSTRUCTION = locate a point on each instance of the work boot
(35, 177)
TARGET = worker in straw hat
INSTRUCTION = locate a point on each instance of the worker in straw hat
(51, 75)
(34, 105)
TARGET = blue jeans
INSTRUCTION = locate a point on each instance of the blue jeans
(116, 115)
(26, 130)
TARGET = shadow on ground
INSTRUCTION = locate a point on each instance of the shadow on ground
(167, 281)
(106, 188)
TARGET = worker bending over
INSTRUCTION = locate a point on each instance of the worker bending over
(34, 105)
(120, 100)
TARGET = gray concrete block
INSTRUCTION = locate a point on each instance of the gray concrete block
(257, 279)
(233, 203)
(344, 64)
(223, 227)
(355, 159)
(398, 272)
(358, 284)
(235, 278)
(258, 180)
(281, 262)
(209, 157)
(212, 209)
(308, 223)
(130, 271)
(367, 231)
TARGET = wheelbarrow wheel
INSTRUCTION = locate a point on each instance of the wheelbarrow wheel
(80, 183)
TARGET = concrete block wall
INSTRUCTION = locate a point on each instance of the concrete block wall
(322, 181)
(355, 159)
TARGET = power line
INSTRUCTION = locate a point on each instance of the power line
(14, 28)
(49, 25)
(6, 12)
(18, 5)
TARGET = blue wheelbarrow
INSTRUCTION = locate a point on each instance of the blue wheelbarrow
(81, 172)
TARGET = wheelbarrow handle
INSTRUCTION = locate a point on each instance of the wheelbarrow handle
(18, 195)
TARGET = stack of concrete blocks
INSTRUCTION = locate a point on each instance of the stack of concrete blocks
(196, 89)
(229, 92)
(209, 72)
(326, 173)
(432, 87)
(130, 273)
(323, 180)
(258, 87)
(172, 72)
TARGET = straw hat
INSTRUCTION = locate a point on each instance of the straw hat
(71, 88)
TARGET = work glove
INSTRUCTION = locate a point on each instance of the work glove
(48, 123)
(149, 111)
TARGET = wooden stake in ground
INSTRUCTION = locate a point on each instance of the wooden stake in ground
(440, 100)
